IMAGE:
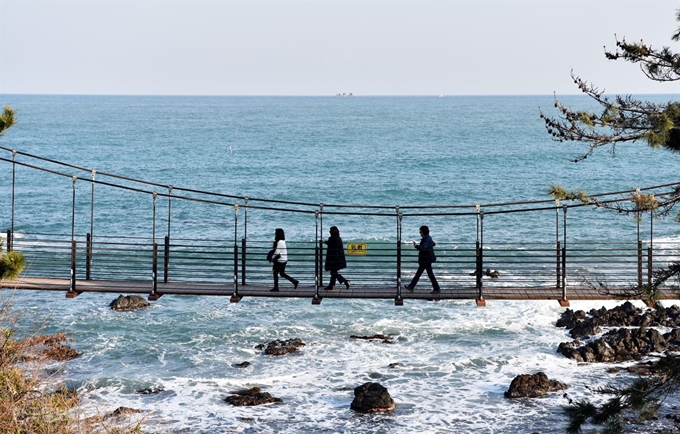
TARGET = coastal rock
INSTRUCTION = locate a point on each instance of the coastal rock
(569, 318)
(241, 365)
(279, 348)
(119, 415)
(128, 302)
(250, 397)
(385, 339)
(618, 345)
(124, 411)
(153, 390)
(532, 386)
(582, 324)
(372, 398)
(584, 329)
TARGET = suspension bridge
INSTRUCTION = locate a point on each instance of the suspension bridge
(556, 266)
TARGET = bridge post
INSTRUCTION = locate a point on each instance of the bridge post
(166, 249)
(558, 273)
(398, 301)
(321, 270)
(73, 208)
(14, 171)
(318, 279)
(88, 257)
(153, 220)
(650, 249)
(154, 274)
(243, 241)
(639, 264)
(649, 266)
(91, 235)
(479, 257)
(72, 287)
(558, 270)
(166, 258)
(235, 298)
(564, 302)
(243, 261)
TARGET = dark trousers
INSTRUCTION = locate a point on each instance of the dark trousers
(336, 276)
(430, 274)
(279, 268)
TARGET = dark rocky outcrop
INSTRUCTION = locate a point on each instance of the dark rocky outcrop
(128, 302)
(250, 397)
(634, 342)
(241, 365)
(384, 338)
(532, 386)
(372, 398)
(278, 347)
(620, 345)
(582, 324)
(570, 318)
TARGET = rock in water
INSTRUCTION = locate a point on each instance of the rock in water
(250, 397)
(371, 398)
(128, 302)
(532, 386)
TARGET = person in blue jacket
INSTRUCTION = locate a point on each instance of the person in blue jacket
(426, 257)
(335, 259)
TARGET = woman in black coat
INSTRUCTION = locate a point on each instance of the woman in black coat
(335, 259)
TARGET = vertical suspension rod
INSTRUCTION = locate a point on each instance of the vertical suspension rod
(10, 239)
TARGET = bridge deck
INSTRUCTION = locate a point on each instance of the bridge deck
(306, 291)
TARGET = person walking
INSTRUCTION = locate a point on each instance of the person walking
(425, 259)
(335, 259)
(280, 259)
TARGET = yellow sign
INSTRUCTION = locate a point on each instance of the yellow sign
(356, 248)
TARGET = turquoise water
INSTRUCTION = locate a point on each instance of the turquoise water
(455, 360)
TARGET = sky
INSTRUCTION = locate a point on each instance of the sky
(325, 47)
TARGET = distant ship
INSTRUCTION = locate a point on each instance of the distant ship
(344, 95)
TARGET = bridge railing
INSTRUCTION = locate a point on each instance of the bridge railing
(384, 264)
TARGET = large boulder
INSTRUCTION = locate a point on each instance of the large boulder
(532, 386)
(128, 302)
(372, 398)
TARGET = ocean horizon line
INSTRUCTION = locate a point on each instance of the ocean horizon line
(353, 95)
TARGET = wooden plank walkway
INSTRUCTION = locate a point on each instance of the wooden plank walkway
(305, 291)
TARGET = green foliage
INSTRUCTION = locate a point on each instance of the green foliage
(32, 402)
(11, 264)
(560, 193)
(624, 119)
(7, 119)
(641, 398)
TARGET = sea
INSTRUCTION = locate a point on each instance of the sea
(449, 362)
